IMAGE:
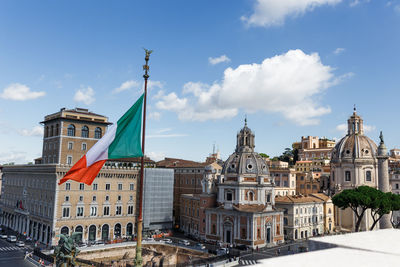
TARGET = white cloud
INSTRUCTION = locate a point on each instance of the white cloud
(126, 86)
(17, 157)
(216, 60)
(156, 156)
(289, 84)
(35, 131)
(154, 116)
(339, 50)
(85, 95)
(20, 92)
(369, 128)
(357, 2)
(165, 135)
(154, 84)
(274, 12)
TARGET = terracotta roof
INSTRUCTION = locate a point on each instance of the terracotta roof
(297, 199)
(321, 196)
(250, 208)
(180, 163)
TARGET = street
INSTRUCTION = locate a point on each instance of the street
(11, 255)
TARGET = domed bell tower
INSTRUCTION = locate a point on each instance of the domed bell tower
(355, 124)
(245, 139)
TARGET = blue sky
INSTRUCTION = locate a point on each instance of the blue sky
(294, 67)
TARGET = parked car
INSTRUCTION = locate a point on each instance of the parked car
(200, 246)
(167, 240)
(184, 242)
(12, 238)
(3, 236)
(20, 244)
(222, 251)
(99, 242)
(149, 239)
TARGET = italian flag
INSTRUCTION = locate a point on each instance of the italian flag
(122, 140)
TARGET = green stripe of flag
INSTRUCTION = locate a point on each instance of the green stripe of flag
(127, 141)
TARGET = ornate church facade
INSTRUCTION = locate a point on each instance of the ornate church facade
(244, 211)
(356, 160)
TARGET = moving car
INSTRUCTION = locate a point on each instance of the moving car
(20, 244)
(184, 242)
(222, 251)
(12, 238)
(3, 236)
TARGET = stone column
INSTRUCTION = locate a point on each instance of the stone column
(383, 179)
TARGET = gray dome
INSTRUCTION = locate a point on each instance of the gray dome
(245, 163)
(244, 160)
(355, 145)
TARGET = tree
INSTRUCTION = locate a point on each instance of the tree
(395, 205)
(381, 204)
(263, 155)
(287, 156)
(357, 199)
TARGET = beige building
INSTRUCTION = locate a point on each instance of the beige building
(34, 204)
(285, 181)
(306, 216)
(313, 147)
(69, 134)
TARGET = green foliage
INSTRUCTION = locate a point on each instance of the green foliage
(263, 155)
(364, 197)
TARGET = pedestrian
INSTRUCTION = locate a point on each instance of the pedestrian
(257, 248)
(279, 251)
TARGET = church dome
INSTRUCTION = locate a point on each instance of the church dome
(355, 145)
(244, 160)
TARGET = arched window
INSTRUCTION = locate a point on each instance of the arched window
(46, 133)
(129, 229)
(97, 133)
(85, 132)
(251, 196)
(117, 230)
(347, 176)
(79, 229)
(92, 233)
(71, 130)
(52, 130)
(329, 211)
(105, 232)
(57, 129)
(229, 196)
(65, 230)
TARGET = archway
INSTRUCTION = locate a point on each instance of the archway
(268, 233)
(105, 232)
(64, 230)
(92, 233)
(79, 229)
(117, 230)
(228, 232)
(129, 229)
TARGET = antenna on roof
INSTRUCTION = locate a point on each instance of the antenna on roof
(354, 109)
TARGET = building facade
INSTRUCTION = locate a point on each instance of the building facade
(285, 181)
(313, 147)
(34, 204)
(356, 161)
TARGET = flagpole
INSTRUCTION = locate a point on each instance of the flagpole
(138, 259)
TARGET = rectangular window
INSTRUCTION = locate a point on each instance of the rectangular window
(84, 146)
(130, 210)
(347, 176)
(66, 198)
(118, 210)
(108, 186)
(67, 186)
(94, 187)
(70, 145)
(106, 211)
(131, 186)
(69, 160)
(119, 187)
(65, 212)
(81, 186)
(79, 212)
(368, 176)
(94, 198)
(80, 198)
(93, 211)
